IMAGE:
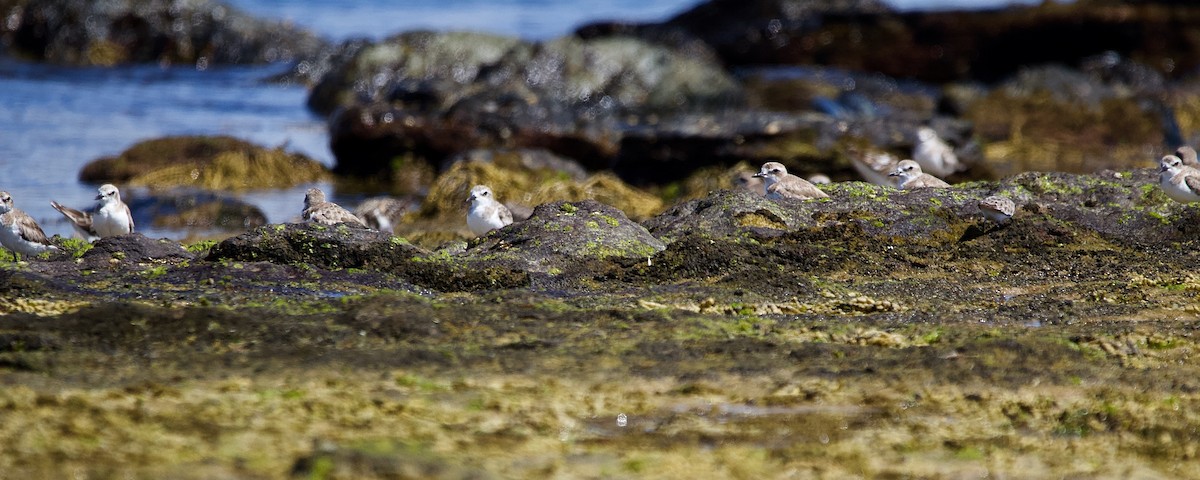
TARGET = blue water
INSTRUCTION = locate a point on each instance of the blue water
(53, 120)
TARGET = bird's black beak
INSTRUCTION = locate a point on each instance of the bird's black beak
(759, 175)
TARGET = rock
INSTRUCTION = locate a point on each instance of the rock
(190, 32)
(197, 210)
(434, 95)
(561, 235)
(132, 249)
(1054, 118)
(209, 162)
(934, 46)
(344, 247)
(321, 246)
(520, 179)
(1126, 209)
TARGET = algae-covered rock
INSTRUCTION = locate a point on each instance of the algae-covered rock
(519, 184)
(562, 233)
(1127, 208)
(133, 249)
(1058, 119)
(210, 162)
(192, 32)
(327, 247)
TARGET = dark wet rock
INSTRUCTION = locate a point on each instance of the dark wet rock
(558, 236)
(211, 162)
(327, 247)
(132, 249)
(346, 247)
(937, 46)
(191, 32)
(195, 210)
(432, 95)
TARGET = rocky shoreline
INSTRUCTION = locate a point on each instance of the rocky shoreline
(648, 319)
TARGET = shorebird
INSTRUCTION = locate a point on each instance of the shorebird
(20, 233)
(933, 154)
(318, 210)
(909, 176)
(382, 213)
(110, 217)
(1179, 181)
(819, 179)
(749, 181)
(1188, 155)
(485, 213)
(874, 166)
(997, 209)
(781, 184)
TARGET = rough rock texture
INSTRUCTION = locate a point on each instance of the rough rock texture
(431, 95)
(560, 235)
(210, 162)
(199, 32)
(936, 46)
(878, 333)
(343, 247)
(1126, 208)
(134, 248)
(329, 247)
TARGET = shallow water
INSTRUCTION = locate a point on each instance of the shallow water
(53, 120)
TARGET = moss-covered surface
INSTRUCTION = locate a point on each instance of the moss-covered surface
(863, 336)
(209, 162)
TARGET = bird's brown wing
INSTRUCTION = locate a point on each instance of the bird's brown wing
(29, 228)
(796, 187)
(82, 221)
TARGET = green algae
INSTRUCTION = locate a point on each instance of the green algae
(1044, 347)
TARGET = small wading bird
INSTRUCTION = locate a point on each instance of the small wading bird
(318, 210)
(874, 166)
(1179, 181)
(20, 233)
(933, 154)
(909, 176)
(778, 183)
(485, 213)
(997, 209)
(110, 217)
(1188, 155)
(382, 213)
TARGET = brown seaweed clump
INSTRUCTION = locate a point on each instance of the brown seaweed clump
(209, 162)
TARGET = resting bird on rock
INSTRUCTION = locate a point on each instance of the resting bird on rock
(318, 210)
(908, 176)
(781, 184)
(485, 213)
(19, 233)
(110, 218)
